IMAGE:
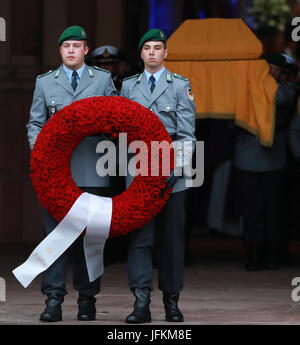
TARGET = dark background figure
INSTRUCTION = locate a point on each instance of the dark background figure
(124, 69)
(291, 204)
(261, 173)
(213, 211)
(106, 57)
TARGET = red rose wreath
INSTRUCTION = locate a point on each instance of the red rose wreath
(50, 158)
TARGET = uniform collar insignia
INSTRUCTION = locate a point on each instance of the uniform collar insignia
(169, 77)
(57, 73)
(91, 74)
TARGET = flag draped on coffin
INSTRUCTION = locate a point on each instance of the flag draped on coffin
(221, 57)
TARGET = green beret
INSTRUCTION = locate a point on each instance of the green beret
(152, 35)
(75, 32)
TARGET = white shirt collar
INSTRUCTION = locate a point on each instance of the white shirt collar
(155, 75)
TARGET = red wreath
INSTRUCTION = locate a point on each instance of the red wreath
(50, 159)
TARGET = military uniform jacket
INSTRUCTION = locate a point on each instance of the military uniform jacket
(53, 91)
(172, 101)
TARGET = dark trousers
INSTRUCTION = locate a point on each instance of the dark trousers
(54, 277)
(262, 195)
(166, 231)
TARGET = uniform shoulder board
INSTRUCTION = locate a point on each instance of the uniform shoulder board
(132, 76)
(101, 69)
(180, 77)
(42, 75)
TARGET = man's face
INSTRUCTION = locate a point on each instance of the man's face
(153, 54)
(73, 53)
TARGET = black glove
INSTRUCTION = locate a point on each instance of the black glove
(172, 179)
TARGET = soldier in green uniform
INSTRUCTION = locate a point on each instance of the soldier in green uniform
(169, 96)
(72, 81)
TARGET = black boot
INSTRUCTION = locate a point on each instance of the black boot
(141, 312)
(86, 309)
(173, 314)
(53, 310)
(254, 257)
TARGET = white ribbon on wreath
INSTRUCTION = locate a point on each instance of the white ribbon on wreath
(89, 211)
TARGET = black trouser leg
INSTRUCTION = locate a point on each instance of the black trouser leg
(140, 257)
(252, 211)
(81, 281)
(53, 281)
(273, 188)
(171, 244)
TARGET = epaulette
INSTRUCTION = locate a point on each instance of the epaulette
(42, 75)
(132, 76)
(180, 77)
(101, 69)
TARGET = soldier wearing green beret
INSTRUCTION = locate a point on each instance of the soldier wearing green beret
(169, 96)
(72, 81)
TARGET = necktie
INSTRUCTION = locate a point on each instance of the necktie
(152, 86)
(74, 80)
